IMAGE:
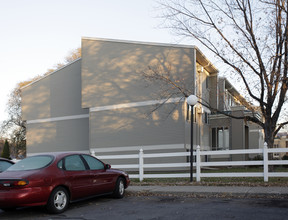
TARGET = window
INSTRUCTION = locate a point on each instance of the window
(4, 165)
(229, 100)
(32, 163)
(205, 118)
(207, 82)
(93, 163)
(74, 163)
(220, 138)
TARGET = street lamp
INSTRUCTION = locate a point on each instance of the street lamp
(191, 100)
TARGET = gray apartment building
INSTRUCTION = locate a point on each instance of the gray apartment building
(101, 103)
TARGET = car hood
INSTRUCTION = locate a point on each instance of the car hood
(118, 171)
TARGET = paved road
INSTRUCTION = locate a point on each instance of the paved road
(162, 207)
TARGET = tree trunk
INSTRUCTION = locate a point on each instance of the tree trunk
(269, 139)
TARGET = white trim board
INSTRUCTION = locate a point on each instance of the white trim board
(108, 107)
(135, 104)
(57, 119)
(137, 148)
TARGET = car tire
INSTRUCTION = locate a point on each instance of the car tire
(119, 190)
(58, 201)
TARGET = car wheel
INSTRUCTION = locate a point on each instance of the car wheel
(58, 200)
(119, 190)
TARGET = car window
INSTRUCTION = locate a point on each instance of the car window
(61, 164)
(93, 163)
(32, 163)
(4, 165)
(74, 163)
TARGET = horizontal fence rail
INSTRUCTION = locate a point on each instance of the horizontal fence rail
(198, 164)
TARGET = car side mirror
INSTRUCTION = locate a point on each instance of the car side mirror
(108, 166)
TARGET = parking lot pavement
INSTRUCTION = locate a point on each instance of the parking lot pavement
(172, 207)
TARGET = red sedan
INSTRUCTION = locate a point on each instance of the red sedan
(56, 179)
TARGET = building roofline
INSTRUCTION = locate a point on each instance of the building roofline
(205, 62)
(234, 91)
(200, 57)
(140, 42)
(43, 77)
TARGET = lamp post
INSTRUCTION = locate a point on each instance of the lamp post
(191, 100)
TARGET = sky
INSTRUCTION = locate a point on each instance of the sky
(37, 34)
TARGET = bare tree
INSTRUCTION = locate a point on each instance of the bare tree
(250, 37)
(73, 55)
(14, 127)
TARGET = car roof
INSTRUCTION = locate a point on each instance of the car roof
(58, 154)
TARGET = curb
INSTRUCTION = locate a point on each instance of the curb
(209, 192)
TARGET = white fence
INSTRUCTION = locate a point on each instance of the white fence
(199, 164)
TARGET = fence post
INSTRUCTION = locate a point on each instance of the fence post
(265, 162)
(141, 163)
(198, 164)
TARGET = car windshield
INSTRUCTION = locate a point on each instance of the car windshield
(32, 163)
